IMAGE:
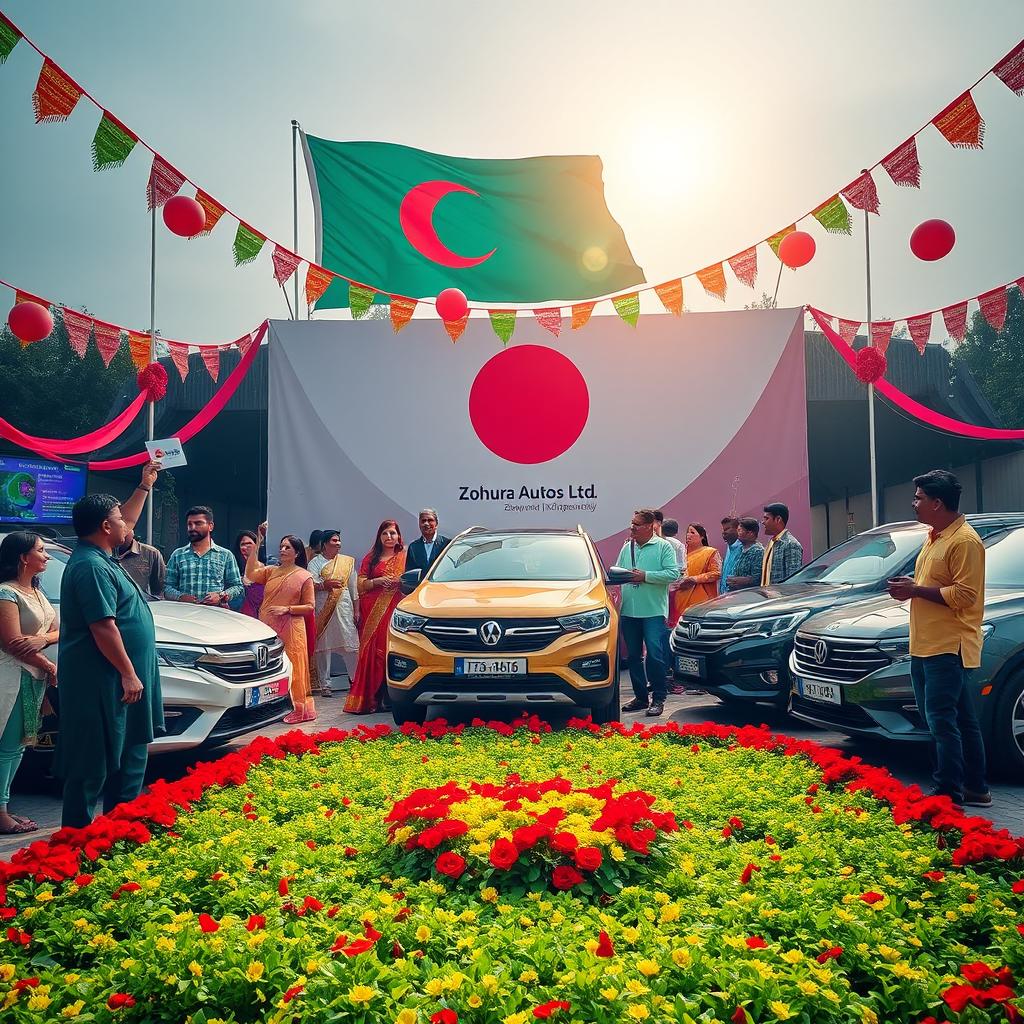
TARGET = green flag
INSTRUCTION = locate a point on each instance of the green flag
(414, 223)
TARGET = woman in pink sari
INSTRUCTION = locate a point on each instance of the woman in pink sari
(378, 596)
(287, 600)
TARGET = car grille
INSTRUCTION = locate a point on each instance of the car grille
(241, 663)
(517, 635)
(843, 660)
(699, 636)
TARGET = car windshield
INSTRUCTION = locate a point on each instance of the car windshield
(514, 557)
(1004, 559)
(867, 558)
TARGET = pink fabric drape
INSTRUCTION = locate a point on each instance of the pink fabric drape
(99, 438)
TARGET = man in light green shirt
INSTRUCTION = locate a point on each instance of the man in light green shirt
(644, 610)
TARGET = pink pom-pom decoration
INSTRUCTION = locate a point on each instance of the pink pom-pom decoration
(153, 380)
(871, 365)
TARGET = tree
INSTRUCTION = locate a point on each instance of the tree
(996, 360)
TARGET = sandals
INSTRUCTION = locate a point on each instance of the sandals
(22, 826)
(294, 717)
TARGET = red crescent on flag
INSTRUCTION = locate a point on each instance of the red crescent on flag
(416, 215)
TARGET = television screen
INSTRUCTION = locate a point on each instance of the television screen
(36, 491)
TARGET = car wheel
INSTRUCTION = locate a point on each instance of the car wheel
(610, 711)
(405, 711)
(1008, 729)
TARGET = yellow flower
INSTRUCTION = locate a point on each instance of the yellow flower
(528, 977)
(669, 913)
(618, 853)
(638, 1011)
(165, 945)
(38, 1002)
(648, 968)
(590, 946)
(808, 988)
(453, 981)
(609, 993)
(361, 993)
(490, 984)
(44, 897)
(489, 895)
(74, 1009)
(195, 969)
(406, 1016)
(630, 934)
(792, 956)
(902, 970)
(681, 957)
(636, 988)
(70, 979)
(434, 987)
(255, 970)
(422, 933)
(557, 918)
(868, 1016)
(780, 1009)
(517, 1018)
(6, 972)
(474, 1001)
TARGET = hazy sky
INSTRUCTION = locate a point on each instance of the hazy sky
(717, 124)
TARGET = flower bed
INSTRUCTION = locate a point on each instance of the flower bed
(513, 874)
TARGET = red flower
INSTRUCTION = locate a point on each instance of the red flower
(1018, 886)
(604, 945)
(83, 880)
(564, 842)
(370, 932)
(119, 1000)
(450, 864)
(256, 922)
(726, 832)
(736, 823)
(357, 946)
(311, 844)
(26, 983)
(311, 903)
(977, 972)
(748, 873)
(282, 887)
(871, 897)
(445, 1016)
(739, 1016)
(934, 876)
(127, 887)
(396, 950)
(350, 851)
(588, 858)
(19, 938)
(756, 942)
(552, 1006)
(207, 923)
(1020, 928)
(830, 954)
(565, 877)
(503, 854)
(294, 991)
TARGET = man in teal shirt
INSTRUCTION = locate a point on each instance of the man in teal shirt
(644, 609)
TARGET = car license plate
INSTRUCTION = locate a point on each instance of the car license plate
(255, 695)
(824, 693)
(689, 666)
(477, 667)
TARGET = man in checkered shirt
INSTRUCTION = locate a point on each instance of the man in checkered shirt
(201, 572)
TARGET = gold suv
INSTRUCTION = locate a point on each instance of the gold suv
(506, 618)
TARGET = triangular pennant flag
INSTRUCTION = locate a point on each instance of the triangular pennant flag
(79, 327)
(112, 143)
(164, 182)
(993, 307)
(713, 280)
(848, 330)
(881, 334)
(1020, 285)
(504, 323)
(179, 356)
(671, 295)
(56, 95)
(744, 266)
(920, 328)
(903, 166)
(549, 319)
(9, 37)
(108, 340)
(456, 327)
(955, 319)
(581, 314)
(862, 193)
(833, 216)
(401, 311)
(317, 280)
(776, 240)
(211, 360)
(360, 299)
(244, 343)
(247, 245)
(138, 346)
(1010, 70)
(628, 307)
(214, 211)
(285, 263)
(961, 124)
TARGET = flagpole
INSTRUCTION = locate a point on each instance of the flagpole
(872, 451)
(295, 211)
(150, 415)
(778, 281)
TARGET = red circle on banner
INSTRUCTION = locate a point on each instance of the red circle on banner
(184, 216)
(529, 404)
(797, 249)
(30, 321)
(932, 240)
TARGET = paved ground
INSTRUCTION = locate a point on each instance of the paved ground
(38, 797)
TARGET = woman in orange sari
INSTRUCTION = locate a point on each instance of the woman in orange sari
(378, 596)
(703, 570)
(287, 600)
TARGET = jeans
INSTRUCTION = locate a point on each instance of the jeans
(667, 654)
(646, 632)
(945, 702)
(82, 792)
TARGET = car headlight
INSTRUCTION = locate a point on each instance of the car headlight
(779, 624)
(585, 622)
(405, 622)
(179, 657)
(898, 649)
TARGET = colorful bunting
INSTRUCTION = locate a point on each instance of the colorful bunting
(955, 319)
(402, 310)
(9, 37)
(247, 245)
(862, 194)
(713, 280)
(79, 327)
(920, 328)
(881, 334)
(164, 182)
(360, 299)
(903, 166)
(244, 343)
(628, 307)
(456, 327)
(744, 266)
(848, 330)
(961, 124)
(112, 143)
(108, 340)
(504, 323)
(550, 319)
(776, 240)
(56, 94)
(993, 307)
(671, 295)
(214, 210)
(211, 360)
(179, 356)
(317, 281)
(285, 263)
(139, 348)
(833, 216)
(581, 314)
(1010, 70)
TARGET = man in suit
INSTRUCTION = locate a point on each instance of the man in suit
(426, 549)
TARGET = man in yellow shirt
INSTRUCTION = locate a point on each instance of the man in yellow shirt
(947, 603)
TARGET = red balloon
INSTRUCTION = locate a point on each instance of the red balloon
(30, 321)
(184, 216)
(451, 305)
(932, 239)
(797, 249)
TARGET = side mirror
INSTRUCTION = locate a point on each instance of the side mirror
(409, 581)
